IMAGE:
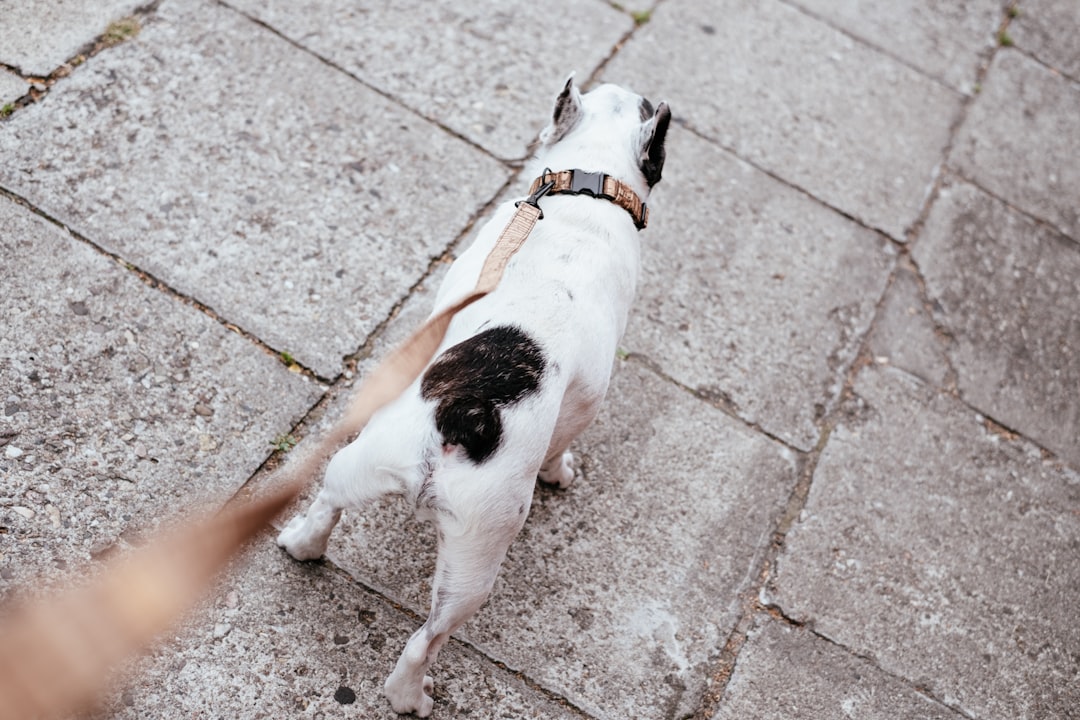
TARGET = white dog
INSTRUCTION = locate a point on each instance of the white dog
(520, 374)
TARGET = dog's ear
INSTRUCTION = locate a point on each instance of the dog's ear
(566, 115)
(653, 133)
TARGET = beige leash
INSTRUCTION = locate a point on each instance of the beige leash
(56, 655)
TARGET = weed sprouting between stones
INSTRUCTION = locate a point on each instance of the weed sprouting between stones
(121, 31)
(284, 443)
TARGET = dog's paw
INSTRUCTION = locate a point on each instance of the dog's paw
(559, 472)
(404, 699)
(295, 542)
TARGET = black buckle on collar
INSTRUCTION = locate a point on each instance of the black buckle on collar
(590, 183)
(642, 221)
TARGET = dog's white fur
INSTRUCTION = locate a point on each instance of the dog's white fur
(569, 289)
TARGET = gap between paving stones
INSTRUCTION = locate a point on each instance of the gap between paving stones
(943, 335)
(510, 162)
(720, 402)
(599, 69)
(1073, 242)
(751, 601)
(88, 51)
(939, 170)
(730, 653)
(777, 613)
(327, 566)
(156, 283)
(688, 126)
(8, 108)
(1049, 68)
(954, 130)
(794, 5)
(905, 255)
(1036, 59)
(951, 385)
(724, 665)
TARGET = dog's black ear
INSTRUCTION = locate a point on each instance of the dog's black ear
(566, 115)
(653, 134)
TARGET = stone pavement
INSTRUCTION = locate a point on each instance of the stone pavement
(838, 472)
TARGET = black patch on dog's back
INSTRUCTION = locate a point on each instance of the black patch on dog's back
(474, 379)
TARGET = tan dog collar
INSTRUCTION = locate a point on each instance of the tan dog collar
(597, 184)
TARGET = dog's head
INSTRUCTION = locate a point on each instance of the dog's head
(610, 130)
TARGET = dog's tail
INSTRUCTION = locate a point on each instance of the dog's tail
(472, 422)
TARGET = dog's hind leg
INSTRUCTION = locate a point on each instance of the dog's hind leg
(353, 478)
(464, 574)
(306, 536)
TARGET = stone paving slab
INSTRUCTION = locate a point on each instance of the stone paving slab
(789, 93)
(280, 639)
(120, 405)
(904, 334)
(202, 152)
(1020, 137)
(944, 40)
(37, 38)
(489, 72)
(1007, 289)
(751, 293)
(943, 550)
(1047, 29)
(12, 87)
(618, 591)
(785, 672)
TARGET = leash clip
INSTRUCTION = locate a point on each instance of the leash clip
(534, 199)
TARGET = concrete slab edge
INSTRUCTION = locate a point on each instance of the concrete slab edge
(40, 85)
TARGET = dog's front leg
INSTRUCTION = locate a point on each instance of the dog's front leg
(558, 470)
(464, 574)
